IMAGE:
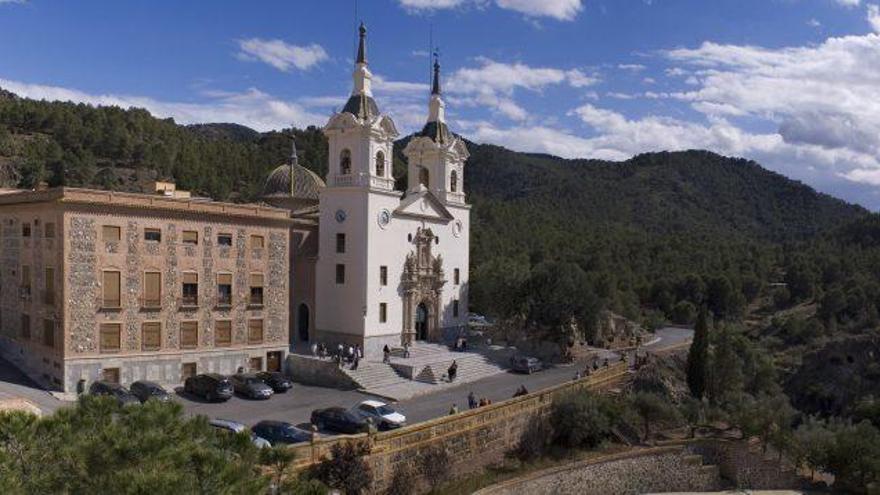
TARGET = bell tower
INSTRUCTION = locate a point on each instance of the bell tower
(436, 156)
(361, 138)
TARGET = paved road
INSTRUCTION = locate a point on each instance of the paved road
(297, 404)
(15, 384)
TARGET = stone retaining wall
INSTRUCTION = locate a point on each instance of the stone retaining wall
(472, 439)
(320, 372)
(744, 464)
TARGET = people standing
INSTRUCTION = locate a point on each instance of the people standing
(453, 369)
(406, 349)
(355, 362)
(386, 354)
(315, 349)
(472, 400)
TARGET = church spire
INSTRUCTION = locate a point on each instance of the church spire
(362, 45)
(435, 88)
(436, 107)
(294, 160)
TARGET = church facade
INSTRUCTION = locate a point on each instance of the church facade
(372, 265)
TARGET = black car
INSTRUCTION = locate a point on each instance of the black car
(115, 390)
(280, 433)
(526, 364)
(276, 380)
(145, 391)
(338, 419)
(210, 386)
(250, 386)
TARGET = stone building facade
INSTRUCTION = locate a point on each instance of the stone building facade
(125, 287)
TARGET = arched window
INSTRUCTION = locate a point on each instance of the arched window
(424, 178)
(453, 181)
(345, 162)
(380, 164)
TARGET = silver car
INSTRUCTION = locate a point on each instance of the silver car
(236, 427)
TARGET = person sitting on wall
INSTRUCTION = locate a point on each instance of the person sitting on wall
(521, 391)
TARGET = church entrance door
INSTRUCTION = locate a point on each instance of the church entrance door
(422, 322)
(302, 322)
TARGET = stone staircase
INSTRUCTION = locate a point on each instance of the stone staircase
(425, 370)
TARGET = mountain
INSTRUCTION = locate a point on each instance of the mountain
(639, 228)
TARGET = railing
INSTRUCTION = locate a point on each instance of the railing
(255, 300)
(382, 183)
(188, 302)
(345, 180)
(455, 197)
(224, 301)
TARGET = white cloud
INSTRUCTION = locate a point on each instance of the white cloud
(848, 3)
(874, 17)
(253, 108)
(281, 55)
(632, 67)
(563, 10)
(814, 23)
(20, 2)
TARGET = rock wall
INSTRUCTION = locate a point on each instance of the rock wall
(320, 372)
(652, 471)
(744, 465)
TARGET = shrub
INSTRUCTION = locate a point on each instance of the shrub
(346, 469)
(534, 440)
(403, 481)
(580, 420)
(435, 465)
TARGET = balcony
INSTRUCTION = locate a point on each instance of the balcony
(455, 197)
(190, 302)
(382, 183)
(345, 180)
(255, 301)
(224, 301)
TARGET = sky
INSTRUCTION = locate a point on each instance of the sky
(791, 84)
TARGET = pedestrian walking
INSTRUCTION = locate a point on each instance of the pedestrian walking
(452, 371)
(472, 400)
(406, 349)
(453, 410)
(386, 354)
(358, 351)
(355, 362)
(314, 350)
(577, 375)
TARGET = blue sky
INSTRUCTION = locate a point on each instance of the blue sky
(793, 84)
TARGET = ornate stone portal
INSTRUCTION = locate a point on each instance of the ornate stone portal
(422, 282)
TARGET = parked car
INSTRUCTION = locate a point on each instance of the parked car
(145, 391)
(383, 415)
(115, 390)
(338, 419)
(236, 427)
(276, 380)
(210, 386)
(526, 364)
(280, 433)
(248, 385)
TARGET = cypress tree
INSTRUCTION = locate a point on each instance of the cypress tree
(698, 356)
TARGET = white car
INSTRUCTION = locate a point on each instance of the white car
(236, 427)
(383, 415)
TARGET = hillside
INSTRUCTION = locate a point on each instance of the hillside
(650, 233)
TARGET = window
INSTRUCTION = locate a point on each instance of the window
(48, 333)
(110, 334)
(187, 370)
(455, 308)
(257, 289)
(49, 284)
(453, 181)
(456, 276)
(152, 290)
(25, 280)
(258, 242)
(424, 177)
(190, 237)
(189, 334)
(340, 274)
(190, 289)
(224, 239)
(224, 289)
(383, 312)
(383, 275)
(25, 327)
(153, 235)
(111, 295)
(222, 333)
(255, 332)
(340, 243)
(380, 164)
(25, 229)
(49, 230)
(151, 336)
(345, 162)
(111, 233)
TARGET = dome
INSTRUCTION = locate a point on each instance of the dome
(304, 186)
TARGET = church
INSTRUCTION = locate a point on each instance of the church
(371, 265)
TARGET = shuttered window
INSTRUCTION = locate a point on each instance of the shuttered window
(190, 289)
(190, 237)
(258, 242)
(256, 289)
(255, 332)
(111, 290)
(26, 277)
(151, 338)
(110, 337)
(25, 327)
(152, 289)
(189, 334)
(153, 235)
(111, 233)
(224, 289)
(49, 333)
(49, 230)
(49, 283)
(222, 333)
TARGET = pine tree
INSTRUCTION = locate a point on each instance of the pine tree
(698, 356)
